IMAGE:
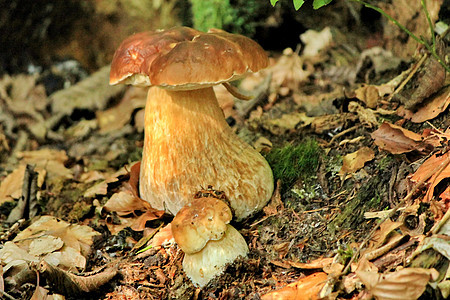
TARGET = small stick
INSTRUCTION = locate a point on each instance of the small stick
(410, 75)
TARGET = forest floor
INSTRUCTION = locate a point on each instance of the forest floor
(357, 141)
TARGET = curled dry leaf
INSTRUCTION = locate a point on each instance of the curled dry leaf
(433, 163)
(68, 283)
(368, 94)
(433, 107)
(78, 237)
(354, 161)
(307, 288)
(406, 284)
(127, 202)
(397, 140)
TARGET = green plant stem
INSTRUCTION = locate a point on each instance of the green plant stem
(433, 37)
(432, 49)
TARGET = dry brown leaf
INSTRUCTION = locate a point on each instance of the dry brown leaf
(352, 162)
(406, 284)
(368, 94)
(70, 284)
(428, 166)
(11, 186)
(124, 203)
(50, 160)
(365, 115)
(288, 122)
(306, 288)
(127, 201)
(433, 108)
(119, 115)
(78, 237)
(319, 263)
(289, 71)
(382, 235)
(397, 140)
(101, 188)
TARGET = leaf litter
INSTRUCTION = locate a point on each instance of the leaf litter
(84, 140)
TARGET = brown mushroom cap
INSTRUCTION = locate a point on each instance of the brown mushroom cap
(200, 221)
(183, 58)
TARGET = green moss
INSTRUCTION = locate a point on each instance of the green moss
(385, 163)
(291, 163)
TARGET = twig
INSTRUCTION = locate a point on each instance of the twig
(27, 202)
(432, 172)
(3, 293)
(343, 132)
(410, 75)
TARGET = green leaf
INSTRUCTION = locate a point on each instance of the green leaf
(298, 3)
(273, 2)
(319, 3)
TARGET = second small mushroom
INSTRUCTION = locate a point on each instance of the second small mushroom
(202, 231)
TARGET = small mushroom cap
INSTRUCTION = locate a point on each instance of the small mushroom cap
(183, 58)
(211, 261)
(200, 221)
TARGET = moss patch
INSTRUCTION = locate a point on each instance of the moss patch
(291, 163)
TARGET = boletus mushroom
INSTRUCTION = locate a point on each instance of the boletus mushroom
(202, 231)
(188, 143)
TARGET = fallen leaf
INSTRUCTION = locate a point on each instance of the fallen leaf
(432, 163)
(397, 140)
(408, 283)
(11, 186)
(44, 245)
(163, 236)
(50, 160)
(78, 237)
(289, 71)
(433, 108)
(365, 115)
(119, 115)
(368, 94)
(352, 162)
(288, 122)
(319, 263)
(101, 188)
(68, 283)
(307, 288)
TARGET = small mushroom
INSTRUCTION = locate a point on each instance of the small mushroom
(202, 231)
(188, 143)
